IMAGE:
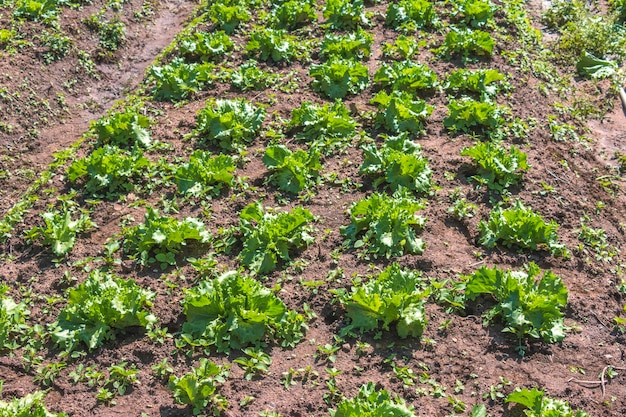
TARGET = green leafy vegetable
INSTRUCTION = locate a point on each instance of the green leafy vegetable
(329, 127)
(399, 163)
(400, 112)
(205, 174)
(345, 14)
(538, 404)
(292, 171)
(406, 76)
(481, 81)
(467, 115)
(124, 129)
(228, 15)
(386, 225)
(592, 67)
(229, 123)
(205, 46)
(410, 15)
(520, 226)
(59, 230)
(338, 77)
(109, 171)
(32, 405)
(468, 43)
(99, 307)
(395, 296)
(269, 43)
(269, 236)
(497, 167)
(12, 320)
(248, 76)
(159, 238)
(355, 45)
(371, 402)
(199, 387)
(293, 14)
(234, 311)
(474, 13)
(529, 307)
(179, 80)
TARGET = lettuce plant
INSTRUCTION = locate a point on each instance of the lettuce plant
(228, 15)
(399, 164)
(274, 44)
(401, 112)
(406, 76)
(395, 297)
(205, 174)
(498, 168)
(468, 43)
(352, 45)
(474, 13)
(292, 14)
(124, 129)
(292, 171)
(386, 226)
(338, 77)
(205, 46)
(410, 15)
(345, 14)
(180, 80)
(12, 320)
(31, 405)
(538, 404)
(484, 82)
(234, 311)
(60, 230)
(199, 387)
(467, 115)
(372, 402)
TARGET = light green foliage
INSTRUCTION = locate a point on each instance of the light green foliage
(354, 45)
(179, 80)
(227, 15)
(248, 76)
(159, 238)
(231, 124)
(12, 320)
(396, 296)
(58, 45)
(345, 14)
(474, 13)
(255, 362)
(594, 241)
(199, 387)
(109, 170)
(398, 163)
(124, 129)
(371, 402)
(6, 35)
(234, 311)
(386, 226)
(205, 174)
(338, 77)
(274, 44)
(591, 67)
(293, 14)
(561, 12)
(538, 404)
(205, 46)
(498, 168)
(406, 76)
(485, 82)
(32, 405)
(59, 230)
(409, 15)
(37, 10)
(404, 47)
(269, 236)
(471, 116)
(595, 34)
(329, 127)
(529, 307)
(619, 6)
(519, 226)
(292, 171)
(468, 43)
(99, 307)
(401, 112)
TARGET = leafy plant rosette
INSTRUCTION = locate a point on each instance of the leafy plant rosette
(99, 308)
(31, 405)
(234, 311)
(538, 404)
(160, 238)
(338, 77)
(292, 171)
(372, 402)
(497, 167)
(396, 296)
(12, 319)
(60, 230)
(519, 226)
(386, 226)
(270, 236)
(401, 112)
(205, 174)
(528, 306)
(199, 387)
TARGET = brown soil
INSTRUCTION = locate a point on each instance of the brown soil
(562, 185)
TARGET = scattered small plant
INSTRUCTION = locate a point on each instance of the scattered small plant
(521, 227)
(205, 174)
(338, 77)
(235, 311)
(538, 404)
(395, 296)
(12, 320)
(231, 124)
(292, 171)
(255, 362)
(460, 208)
(60, 230)
(401, 112)
(99, 308)
(386, 226)
(268, 237)
(498, 168)
(159, 238)
(199, 387)
(399, 164)
(529, 307)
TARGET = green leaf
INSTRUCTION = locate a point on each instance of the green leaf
(590, 66)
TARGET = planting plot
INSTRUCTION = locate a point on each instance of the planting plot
(312, 208)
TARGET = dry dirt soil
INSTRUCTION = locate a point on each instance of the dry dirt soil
(457, 360)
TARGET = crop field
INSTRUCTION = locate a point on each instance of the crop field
(334, 208)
